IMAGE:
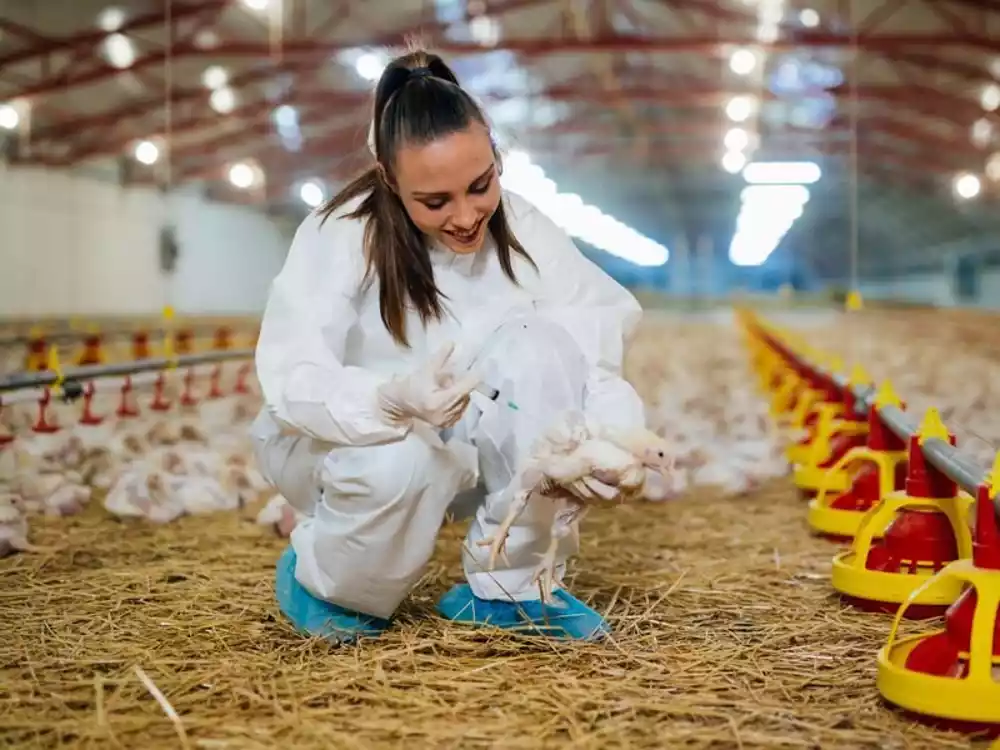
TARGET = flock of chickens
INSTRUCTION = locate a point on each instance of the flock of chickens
(934, 359)
(158, 465)
(692, 375)
(190, 460)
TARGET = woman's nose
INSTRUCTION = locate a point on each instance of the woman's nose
(466, 216)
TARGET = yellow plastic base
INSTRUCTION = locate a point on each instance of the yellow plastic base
(841, 522)
(975, 698)
(811, 478)
(797, 453)
(834, 521)
(851, 578)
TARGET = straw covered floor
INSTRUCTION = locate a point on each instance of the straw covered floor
(727, 635)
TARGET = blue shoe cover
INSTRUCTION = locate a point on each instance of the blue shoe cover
(568, 618)
(315, 617)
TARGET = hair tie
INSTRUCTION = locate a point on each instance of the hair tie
(422, 72)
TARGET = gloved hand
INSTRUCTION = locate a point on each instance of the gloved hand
(434, 393)
(606, 486)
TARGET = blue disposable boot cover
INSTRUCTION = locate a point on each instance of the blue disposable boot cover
(315, 617)
(568, 618)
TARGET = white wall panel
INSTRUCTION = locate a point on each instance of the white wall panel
(72, 245)
(936, 288)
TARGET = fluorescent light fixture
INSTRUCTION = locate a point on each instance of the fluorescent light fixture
(782, 173)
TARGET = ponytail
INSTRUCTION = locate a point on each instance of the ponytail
(417, 100)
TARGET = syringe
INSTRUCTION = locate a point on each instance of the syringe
(492, 394)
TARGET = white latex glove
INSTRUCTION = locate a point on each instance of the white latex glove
(595, 488)
(434, 393)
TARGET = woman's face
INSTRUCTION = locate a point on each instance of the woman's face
(450, 187)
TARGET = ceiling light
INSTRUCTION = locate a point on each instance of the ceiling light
(809, 18)
(111, 19)
(733, 161)
(740, 108)
(370, 66)
(736, 139)
(311, 193)
(241, 176)
(742, 62)
(223, 100)
(990, 97)
(215, 77)
(9, 117)
(967, 186)
(146, 152)
(119, 50)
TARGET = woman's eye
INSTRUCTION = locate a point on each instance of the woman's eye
(435, 206)
(480, 189)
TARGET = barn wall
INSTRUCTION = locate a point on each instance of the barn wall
(74, 245)
(936, 288)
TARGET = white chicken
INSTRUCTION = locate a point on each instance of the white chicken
(143, 493)
(280, 515)
(58, 494)
(576, 463)
(13, 526)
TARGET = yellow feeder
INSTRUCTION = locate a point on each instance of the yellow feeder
(832, 439)
(785, 394)
(768, 367)
(923, 528)
(952, 675)
(874, 469)
(93, 346)
(37, 355)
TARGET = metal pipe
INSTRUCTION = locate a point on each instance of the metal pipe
(112, 333)
(19, 381)
(942, 455)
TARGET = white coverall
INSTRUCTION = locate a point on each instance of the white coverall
(376, 495)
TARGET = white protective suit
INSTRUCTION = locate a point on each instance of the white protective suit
(376, 495)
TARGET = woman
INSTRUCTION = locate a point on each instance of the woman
(419, 280)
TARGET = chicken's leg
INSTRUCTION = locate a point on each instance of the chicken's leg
(497, 543)
(562, 527)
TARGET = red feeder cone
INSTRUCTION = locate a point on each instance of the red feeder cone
(951, 678)
(126, 403)
(88, 417)
(241, 378)
(42, 424)
(160, 402)
(5, 436)
(882, 463)
(924, 530)
(187, 396)
(215, 379)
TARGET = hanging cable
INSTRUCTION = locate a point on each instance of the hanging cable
(854, 224)
(168, 84)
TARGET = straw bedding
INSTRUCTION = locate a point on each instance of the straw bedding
(726, 636)
(135, 635)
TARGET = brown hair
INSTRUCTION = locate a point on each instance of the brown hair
(417, 100)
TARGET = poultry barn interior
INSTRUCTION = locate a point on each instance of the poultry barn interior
(797, 192)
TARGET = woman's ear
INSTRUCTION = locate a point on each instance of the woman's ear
(383, 175)
(497, 157)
